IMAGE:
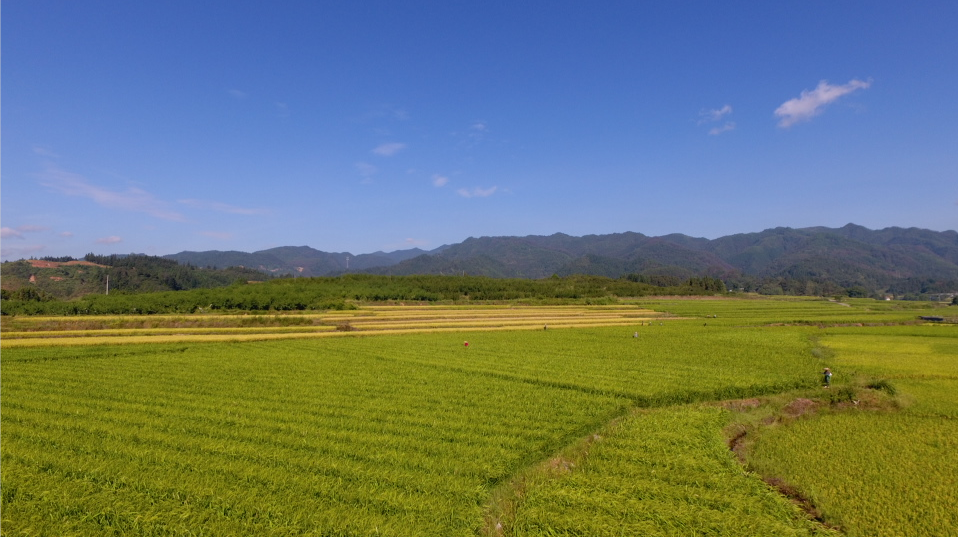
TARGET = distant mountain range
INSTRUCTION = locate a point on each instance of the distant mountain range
(850, 255)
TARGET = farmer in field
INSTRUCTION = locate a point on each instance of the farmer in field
(827, 377)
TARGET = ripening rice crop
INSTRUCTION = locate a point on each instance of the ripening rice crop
(888, 473)
(350, 433)
(875, 475)
(282, 438)
(652, 365)
(396, 435)
(664, 472)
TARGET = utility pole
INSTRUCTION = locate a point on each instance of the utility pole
(107, 284)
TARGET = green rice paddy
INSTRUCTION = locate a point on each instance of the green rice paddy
(545, 424)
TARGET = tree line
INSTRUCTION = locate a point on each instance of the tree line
(324, 293)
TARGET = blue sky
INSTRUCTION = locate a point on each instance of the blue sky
(158, 127)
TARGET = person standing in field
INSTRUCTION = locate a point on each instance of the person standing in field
(827, 377)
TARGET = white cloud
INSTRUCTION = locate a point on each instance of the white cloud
(133, 199)
(17, 233)
(220, 207)
(238, 94)
(439, 180)
(389, 149)
(282, 110)
(811, 103)
(10, 233)
(707, 116)
(113, 239)
(714, 115)
(477, 192)
(729, 126)
(479, 126)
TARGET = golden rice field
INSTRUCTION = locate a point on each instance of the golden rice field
(86, 330)
(571, 420)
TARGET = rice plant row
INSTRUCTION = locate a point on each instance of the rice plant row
(262, 439)
(414, 434)
(665, 472)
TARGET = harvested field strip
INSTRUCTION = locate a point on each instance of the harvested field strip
(262, 336)
(381, 312)
(478, 323)
(168, 331)
(41, 331)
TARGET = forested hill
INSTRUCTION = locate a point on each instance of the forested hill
(901, 260)
(808, 261)
(295, 260)
(848, 256)
(65, 278)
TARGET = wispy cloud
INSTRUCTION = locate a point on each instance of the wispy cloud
(221, 207)
(238, 94)
(478, 131)
(389, 149)
(133, 199)
(366, 170)
(439, 180)
(113, 239)
(477, 192)
(708, 116)
(10, 233)
(282, 109)
(17, 233)
(811, 103)
(44, 152)
(714, 115)
(728, 126)
(473, 135)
